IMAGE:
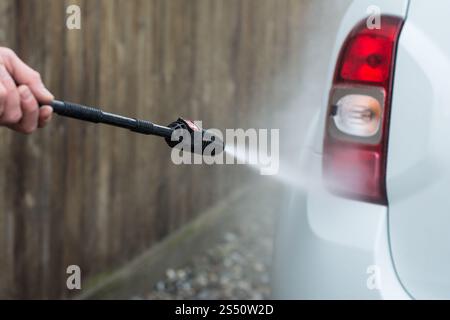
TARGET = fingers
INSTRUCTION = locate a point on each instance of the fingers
(23, 74)
(3, 96)
(32, 116)
(45, 115)
(30, 111)
(19, 106)
(12, 112)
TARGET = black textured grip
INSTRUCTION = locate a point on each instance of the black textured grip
(80, 112)
(145, 127)
(77, 111)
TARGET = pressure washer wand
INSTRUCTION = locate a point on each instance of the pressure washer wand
(80, 112)
(85, 113)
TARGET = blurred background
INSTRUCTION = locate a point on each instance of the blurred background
(111, 201)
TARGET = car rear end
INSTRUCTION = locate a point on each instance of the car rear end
(334, 236)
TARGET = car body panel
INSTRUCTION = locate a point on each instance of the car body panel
(328, 247)
(418, 175)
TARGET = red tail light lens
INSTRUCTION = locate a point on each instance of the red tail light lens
(355, 146)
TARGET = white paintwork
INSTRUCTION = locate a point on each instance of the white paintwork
(325, 244)
(418, 177)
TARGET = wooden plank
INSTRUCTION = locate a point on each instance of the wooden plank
(7, 289)
(96, 196)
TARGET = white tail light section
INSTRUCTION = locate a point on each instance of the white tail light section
(358, 115)
(355, 145)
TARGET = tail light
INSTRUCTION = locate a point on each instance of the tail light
(357, 128)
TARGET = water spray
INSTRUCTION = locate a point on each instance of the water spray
(197, 135)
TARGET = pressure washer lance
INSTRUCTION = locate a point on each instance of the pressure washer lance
(85, 113)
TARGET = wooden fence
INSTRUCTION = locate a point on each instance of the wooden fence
(96, 196)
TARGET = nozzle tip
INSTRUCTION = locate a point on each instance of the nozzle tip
(187, 137)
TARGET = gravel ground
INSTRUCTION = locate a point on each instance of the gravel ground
(238, 267)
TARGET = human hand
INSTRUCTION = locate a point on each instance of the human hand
(21, 90)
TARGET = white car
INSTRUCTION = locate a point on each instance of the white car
(377, 226)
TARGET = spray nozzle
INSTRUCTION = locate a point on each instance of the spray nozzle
(188, 136)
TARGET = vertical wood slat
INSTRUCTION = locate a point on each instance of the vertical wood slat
(7, 289)
(77, 193)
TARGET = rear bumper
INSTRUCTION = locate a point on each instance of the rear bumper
(332, 248)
